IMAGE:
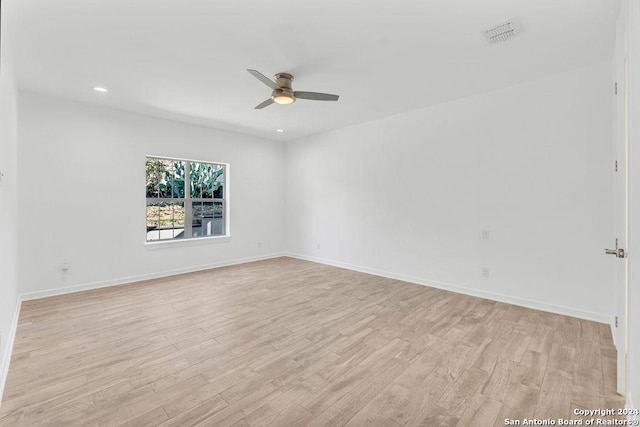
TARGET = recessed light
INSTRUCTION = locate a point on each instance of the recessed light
(280, 130)
(100, 89)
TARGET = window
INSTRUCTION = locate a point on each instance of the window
(185, 199)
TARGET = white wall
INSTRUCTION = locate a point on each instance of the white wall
(81, 195)
(634, 217)
(8, 199)
(408, 196)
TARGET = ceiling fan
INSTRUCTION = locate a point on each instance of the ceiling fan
(282, 92)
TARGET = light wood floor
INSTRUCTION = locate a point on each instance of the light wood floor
(286, 342)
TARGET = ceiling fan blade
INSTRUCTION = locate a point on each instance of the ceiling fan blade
(264, 79)
(266, 103)
(316, 96)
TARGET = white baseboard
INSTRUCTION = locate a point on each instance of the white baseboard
(125, 280)
(536, 305)
(8, 351)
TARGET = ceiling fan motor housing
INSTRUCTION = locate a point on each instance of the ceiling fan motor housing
(283, 94)
(283, 80)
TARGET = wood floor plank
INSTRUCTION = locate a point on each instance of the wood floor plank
(422, 400)
(196, 414)
(293, 416)
(481, 411)
(530, 371)
(522, 397)
(458, 395)
(290, 342)
(382, 407)
(502, 376)
(267, 414)
(561, 360)
(555, 397)
(339, 413)
(151, 418)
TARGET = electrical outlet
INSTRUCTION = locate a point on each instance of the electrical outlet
(259, 245)
(485, 272)
(318, 246)
(485, 234)
(64, 267)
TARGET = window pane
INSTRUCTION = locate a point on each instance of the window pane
(155, 169)
(164, 183)
(218, 182)
(165, 212)
(218, 219)
(176, 178)
(166, 218)
(178, 220)
(195, 172)
(152, 221)
(207, 181)
(163, 170)
(196, 221)
(152, 214)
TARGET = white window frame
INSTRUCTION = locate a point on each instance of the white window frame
(186, 200)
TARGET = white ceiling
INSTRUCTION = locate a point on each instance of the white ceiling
(186, 59)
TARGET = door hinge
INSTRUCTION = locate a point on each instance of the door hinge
(616, 166)
(615, 88)
(618, 251)
(616, 321)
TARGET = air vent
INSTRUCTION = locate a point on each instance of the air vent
(502, 32)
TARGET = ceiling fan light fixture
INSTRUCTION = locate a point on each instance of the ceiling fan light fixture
(283, 99)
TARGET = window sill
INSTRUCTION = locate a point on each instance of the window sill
(165, 244)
